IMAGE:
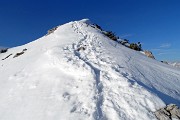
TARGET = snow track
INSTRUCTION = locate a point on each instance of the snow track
(98, 115)
(101, 66)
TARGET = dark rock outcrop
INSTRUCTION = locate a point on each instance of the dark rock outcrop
(51, 30)
(18, 54)
(168, 113)
(7, 57)
(3, 50)
(149, 54)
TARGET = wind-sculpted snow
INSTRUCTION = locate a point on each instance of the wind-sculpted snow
(76, 73)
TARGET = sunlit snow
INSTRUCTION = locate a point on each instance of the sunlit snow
(77, 73)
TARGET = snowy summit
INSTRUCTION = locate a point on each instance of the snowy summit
(77, 73)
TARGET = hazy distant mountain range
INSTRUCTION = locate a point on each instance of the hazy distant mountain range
(175, 64)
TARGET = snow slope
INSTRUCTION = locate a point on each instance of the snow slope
(76, 73)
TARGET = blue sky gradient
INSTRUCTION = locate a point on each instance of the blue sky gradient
(155, 23)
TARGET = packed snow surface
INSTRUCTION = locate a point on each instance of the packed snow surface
(77, 73)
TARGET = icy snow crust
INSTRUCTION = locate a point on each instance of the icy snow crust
(52, 80)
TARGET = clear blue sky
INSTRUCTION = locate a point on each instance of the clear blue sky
(155, 23)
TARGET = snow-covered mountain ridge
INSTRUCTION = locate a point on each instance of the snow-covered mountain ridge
(77, 73)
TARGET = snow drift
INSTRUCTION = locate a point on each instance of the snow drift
(77, 73)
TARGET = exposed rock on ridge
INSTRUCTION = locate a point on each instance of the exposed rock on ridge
(168, 113)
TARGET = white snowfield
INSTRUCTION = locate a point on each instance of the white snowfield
(77, 73)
